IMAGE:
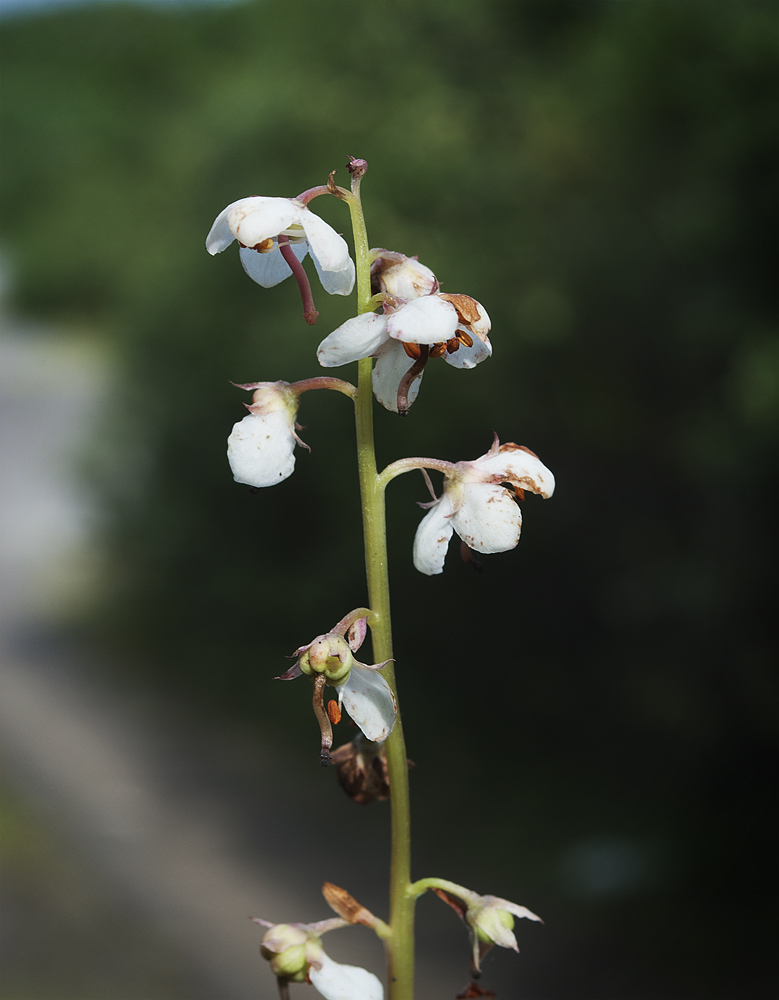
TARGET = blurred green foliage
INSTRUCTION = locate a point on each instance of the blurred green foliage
(601, 176)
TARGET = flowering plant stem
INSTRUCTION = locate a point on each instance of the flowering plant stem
(399, 945)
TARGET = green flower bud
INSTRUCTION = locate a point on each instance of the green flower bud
(291, 964)
(487, 921)
(329, 655)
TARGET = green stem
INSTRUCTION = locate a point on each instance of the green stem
(424, 884)
(399, 946)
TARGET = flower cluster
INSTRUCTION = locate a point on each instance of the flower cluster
(405, 321)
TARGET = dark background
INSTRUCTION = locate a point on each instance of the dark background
(592, 717)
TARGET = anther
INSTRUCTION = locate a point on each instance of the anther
(413, 350)
(465, 338)
(437, 350)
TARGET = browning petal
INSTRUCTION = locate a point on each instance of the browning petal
(346, 906)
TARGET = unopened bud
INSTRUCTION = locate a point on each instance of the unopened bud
(328, 655)
(284, 946)
(487, 923)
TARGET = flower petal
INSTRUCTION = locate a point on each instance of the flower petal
(253, 220)
(329, 250)
(370, 702)
(268, 269)
(260, 449)
(518, 466)
(334, 981)
(219, 237)
(392, 365)
(359, 337)
(340, 282)
(407, 279)
(432, 538)
(489, 519)
(469, 357)
(426, 320)
(513, 908)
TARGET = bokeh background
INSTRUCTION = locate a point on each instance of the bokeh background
(592, 717)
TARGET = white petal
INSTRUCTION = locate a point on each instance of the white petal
(519, 467)
(489, 519)
(407, 279)
(469, 357)
(392, 365)
(253, 220)
(268, 269)
(219, 237)
(426, 320)
(359, 337)
(432, 538)
(329, 250)
(260, 449)
(369, 701)
(334, 981)
(339, 282)
(514, 908)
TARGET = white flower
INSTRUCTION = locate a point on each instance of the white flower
(296, 955)
(362, 690)
(490, 919)
(257, 223)
(476, 506)
(260, 449)
(454, 327)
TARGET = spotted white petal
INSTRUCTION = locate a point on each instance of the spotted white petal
(469, 357)
(517, 466)
(261, 448)
(432, 538)
(268, 269)
(369, 701)
(392, 364)
(359, 337)
(489, 519)
(426, 320)
(334, 981)
(329, 250)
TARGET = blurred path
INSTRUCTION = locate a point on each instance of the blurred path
(167, 884)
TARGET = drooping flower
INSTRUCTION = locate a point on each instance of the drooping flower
(418, 323)
(490, 920)
(362, 690)
(479, 504)
(296, 955)
(260, 448)
(275, 235)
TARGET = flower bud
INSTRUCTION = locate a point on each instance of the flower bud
(490, 924)
(329, 655)
(284, 946)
